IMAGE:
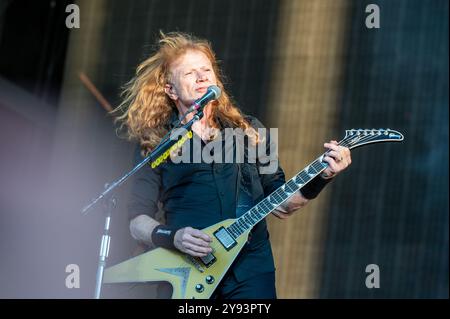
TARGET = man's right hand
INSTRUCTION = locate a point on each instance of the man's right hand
(192, 242)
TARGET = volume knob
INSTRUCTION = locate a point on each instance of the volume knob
(209, 279)
(199, 288)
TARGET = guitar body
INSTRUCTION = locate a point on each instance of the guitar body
(193, 277)
(190, 277)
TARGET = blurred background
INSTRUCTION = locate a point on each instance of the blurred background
(311, 68)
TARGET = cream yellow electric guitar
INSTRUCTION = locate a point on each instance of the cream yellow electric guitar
(194, 277)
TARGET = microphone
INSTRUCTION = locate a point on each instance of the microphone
(212, 93)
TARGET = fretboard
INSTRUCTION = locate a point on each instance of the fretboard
(276, 198)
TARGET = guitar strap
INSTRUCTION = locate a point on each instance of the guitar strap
(245, 198)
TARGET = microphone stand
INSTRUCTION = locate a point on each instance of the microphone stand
(110, 201)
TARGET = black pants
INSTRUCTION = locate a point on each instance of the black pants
(256, 287)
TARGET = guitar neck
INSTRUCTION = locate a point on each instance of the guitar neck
(353, 138)
(276, 198)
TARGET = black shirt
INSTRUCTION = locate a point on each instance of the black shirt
(202, 194)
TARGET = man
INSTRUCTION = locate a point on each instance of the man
(197, 195)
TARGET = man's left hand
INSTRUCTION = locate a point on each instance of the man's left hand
(338, 159)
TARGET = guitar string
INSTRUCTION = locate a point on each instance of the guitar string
(347, 141)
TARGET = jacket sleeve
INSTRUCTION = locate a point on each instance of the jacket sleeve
(145, 190)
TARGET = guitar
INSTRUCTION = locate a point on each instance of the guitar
(198, 277)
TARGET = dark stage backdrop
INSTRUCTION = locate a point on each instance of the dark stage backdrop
(393, 208)
(309, 67)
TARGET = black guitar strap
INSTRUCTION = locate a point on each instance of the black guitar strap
(245, 200)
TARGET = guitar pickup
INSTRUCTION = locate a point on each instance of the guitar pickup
(225, 238)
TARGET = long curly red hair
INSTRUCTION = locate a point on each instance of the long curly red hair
(146, 109)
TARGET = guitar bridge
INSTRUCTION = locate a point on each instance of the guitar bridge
(195, 263)
(208, 260)
(225, 238)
